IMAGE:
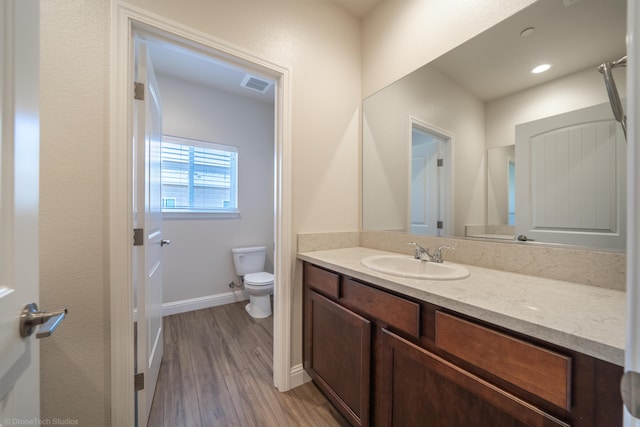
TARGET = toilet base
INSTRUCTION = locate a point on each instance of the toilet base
(259, 307)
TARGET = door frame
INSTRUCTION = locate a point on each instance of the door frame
(120, 220)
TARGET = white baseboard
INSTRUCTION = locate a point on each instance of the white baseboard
(299, 376)
(199, 303)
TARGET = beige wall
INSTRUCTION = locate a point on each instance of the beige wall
(320, 44)
(74, 113)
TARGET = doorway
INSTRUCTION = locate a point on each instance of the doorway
(121, 271)
(429, 180)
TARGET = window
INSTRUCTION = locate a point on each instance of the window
(199, 176)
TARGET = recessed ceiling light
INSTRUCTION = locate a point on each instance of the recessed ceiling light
(527, 32)
(541, 68)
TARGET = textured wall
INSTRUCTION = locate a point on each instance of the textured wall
(74, 113)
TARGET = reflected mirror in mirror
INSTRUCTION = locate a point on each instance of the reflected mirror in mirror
(501, 191)
(477, 94)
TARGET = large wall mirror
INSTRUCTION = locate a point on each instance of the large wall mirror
(475, 97)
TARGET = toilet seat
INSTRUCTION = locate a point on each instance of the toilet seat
(259, 279)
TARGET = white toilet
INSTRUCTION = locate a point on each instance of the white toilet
(249, 264)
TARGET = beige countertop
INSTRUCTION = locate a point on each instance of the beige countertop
(579, 317)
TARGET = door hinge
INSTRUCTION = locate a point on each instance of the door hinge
(138, 91)
(138, 381)
(440, 162)
(440, 225)
(138, 237)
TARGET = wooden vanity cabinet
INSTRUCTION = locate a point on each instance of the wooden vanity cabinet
(387, 360)
(337, 355)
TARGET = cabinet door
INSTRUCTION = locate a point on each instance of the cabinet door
(421, 389)
(338, 355)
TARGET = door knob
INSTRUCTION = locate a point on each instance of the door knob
(165, 242)
(31, 318)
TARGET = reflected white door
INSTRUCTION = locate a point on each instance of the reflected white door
(571, 179)
(19, 168)
(148, 217)
(426, 182)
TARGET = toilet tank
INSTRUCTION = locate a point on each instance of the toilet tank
(249, 260)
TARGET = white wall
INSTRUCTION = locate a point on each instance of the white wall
(198, 262)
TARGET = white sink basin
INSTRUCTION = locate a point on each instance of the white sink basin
(407, 266)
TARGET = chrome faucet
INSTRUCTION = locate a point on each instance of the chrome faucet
(424, 255)
(420, 251)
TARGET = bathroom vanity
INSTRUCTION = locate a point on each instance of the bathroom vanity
(395, 352)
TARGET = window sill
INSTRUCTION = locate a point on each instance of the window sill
(200, 215)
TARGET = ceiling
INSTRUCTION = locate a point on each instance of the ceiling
(204, 70)
(573, 35)
(358, 8)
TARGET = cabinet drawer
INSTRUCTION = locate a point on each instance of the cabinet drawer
(392, 310)
(535, 369)
(456, 397)
(322, 280)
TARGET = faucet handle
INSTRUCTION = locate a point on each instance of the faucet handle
(420, 251)
(437, 255)
(418, 247)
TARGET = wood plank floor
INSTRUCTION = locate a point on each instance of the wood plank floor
(217, 371)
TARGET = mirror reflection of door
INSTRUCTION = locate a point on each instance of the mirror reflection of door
(426, 181)
(571, 179)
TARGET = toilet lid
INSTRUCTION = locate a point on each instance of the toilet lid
(259, 279)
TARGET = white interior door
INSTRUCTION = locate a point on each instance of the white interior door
(19, 167)
(571, 179)
(148, 217)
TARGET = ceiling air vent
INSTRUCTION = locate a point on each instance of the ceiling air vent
(255, 83)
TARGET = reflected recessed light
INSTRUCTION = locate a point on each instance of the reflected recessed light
(527, 32)
(541, 68)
